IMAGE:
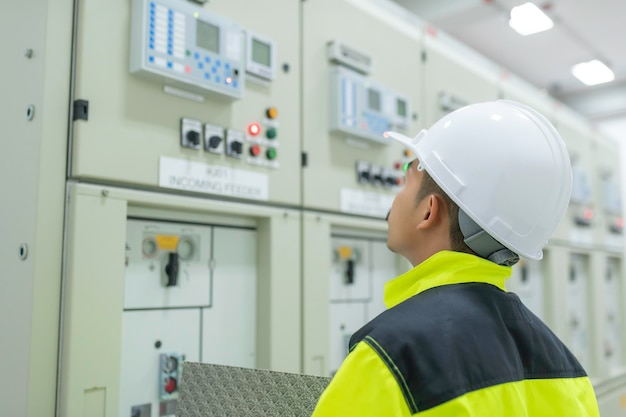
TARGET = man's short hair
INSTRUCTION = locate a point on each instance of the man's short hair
(429, 186)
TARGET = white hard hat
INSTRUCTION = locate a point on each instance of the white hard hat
(504, 165)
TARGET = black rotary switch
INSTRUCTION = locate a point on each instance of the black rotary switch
(214, 142)
(364, 176)
(193, 137)
(236, 147)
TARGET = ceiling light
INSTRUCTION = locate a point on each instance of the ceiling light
(528, 19)
(593, 72)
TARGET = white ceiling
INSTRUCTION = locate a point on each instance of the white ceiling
(583, 30)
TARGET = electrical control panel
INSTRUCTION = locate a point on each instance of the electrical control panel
(457, 76)
(528, 282)
(353, 91)
(361, 108)
(151, 273)
(167, 265)
(580, 221)
(578, 317)
(607, 181)
(360, 268)
(184, 45)
(202, 274)
(227, 108)
(613, 347)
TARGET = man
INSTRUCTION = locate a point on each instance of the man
(491, 181)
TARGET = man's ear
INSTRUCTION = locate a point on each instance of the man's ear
(430, 212)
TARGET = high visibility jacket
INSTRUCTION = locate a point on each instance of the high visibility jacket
(454, 343)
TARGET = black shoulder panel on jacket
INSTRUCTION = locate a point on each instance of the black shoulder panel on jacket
(454, 339)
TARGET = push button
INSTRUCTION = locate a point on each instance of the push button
(271, 112)
(271, 133)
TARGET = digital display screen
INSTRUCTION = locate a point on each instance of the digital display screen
(401, 107)
(261, 53)
(373, 100)
(208, 36)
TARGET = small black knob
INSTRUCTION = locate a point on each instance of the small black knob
(214, 142)
(236, 147)
(193, 137)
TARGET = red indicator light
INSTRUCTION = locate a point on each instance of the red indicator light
(398, 181)
(188, 69)
(620, 222)
(397, 165)
(588, 215)
(254, 129)
(229, 80)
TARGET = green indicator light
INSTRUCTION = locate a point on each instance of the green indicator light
(196, 15)
(271, 153)
(406, 167)
(188, 52)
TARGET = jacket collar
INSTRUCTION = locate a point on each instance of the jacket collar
(444, 268)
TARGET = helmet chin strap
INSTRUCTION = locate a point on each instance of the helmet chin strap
(483, 244)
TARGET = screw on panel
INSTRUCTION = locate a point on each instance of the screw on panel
(23, 251)
(30, 112)
(285, 67)
(105, 193)
(28, 53)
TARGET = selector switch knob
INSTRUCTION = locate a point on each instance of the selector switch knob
(214, 142)
(236, 147)
(193, 137)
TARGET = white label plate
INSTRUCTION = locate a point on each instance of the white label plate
(365, 203)
(212, 179)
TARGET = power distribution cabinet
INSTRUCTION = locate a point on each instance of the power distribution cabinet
(354, 90)
(359, 270)
(579, 223)
(199, 305)
(170, 100)
(578, 317)
(155, 279)
(607, 181)
(528, 282)
(613, 343)
(456, 76)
